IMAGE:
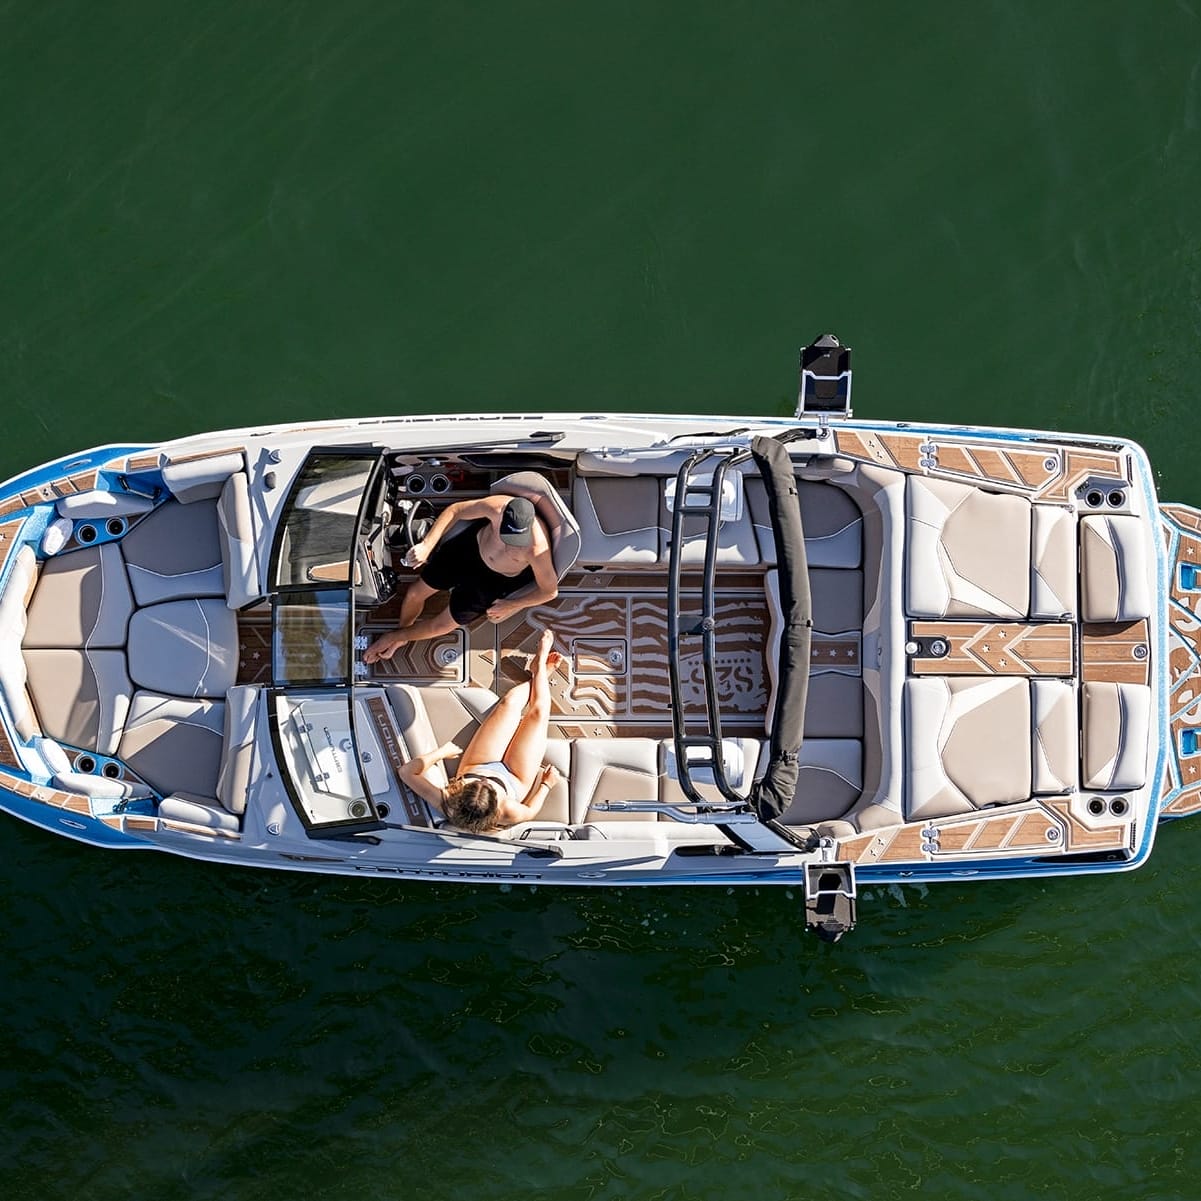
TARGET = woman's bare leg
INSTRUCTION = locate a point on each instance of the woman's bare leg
(489, 743)
(525, 752)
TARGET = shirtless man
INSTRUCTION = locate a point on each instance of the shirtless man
(504, 547)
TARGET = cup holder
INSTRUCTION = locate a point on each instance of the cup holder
(1096, 806)
(112, 771)
(415, 485)
(383, 809)
(86, 533)
(1094, 498)
(1116, 498)
(85, 764)
(439, 483)
(1119, 806)
(115, 526)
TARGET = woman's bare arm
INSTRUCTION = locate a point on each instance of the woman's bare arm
(414, 771)
(529, 808)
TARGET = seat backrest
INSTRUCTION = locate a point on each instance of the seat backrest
(556, 516)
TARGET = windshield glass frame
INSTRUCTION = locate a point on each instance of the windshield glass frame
(317, 755)
(310, 476)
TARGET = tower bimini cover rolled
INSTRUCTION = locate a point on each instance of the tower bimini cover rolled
(773, 793)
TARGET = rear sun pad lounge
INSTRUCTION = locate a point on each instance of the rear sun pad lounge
(1114, 742)
(969, 744)
(81, 696)
(82, 599)
(1115, 575)
(968, 551)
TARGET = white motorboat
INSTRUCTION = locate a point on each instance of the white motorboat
(811, 650)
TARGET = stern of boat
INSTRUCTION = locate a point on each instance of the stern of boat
(1181, 529)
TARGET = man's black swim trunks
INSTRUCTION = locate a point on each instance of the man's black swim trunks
(457, 565)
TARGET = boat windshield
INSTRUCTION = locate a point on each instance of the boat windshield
(313, 733)
(320, 523)
(318, 565)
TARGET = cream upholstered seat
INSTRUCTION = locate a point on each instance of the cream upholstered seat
(1115, 735)
(1056, 730)
(968, 744)
(613, 769)
(235, 767)
(175, 745)
(175, 552)
(81, 696)
(1115, 570)
(82, 599)
(204, 547)
(968, 551)
(1053, 563)
(184, 647)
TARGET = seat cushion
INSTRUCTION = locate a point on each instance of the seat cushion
(1053, 563)
(832, 523)
(829, 780)
(81, 696)
(967, 551)
(237, 751)
(967, 744)
(1115, 735)
(618, 518)
(235, 530)
(174, 744)
(175, 552)
(184, 648)
(1056, 726)
(1115, 569)
(613, 769)
(82, 599)
(14, 596)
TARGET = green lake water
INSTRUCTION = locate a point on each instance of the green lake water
(217, 214)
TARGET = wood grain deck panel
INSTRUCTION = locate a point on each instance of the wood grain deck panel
(8, 756)
(898, 451)
(1108, 653)
(996, 648)
(1079, 465)
(1116, 836)
(889, 844)
(9, 531)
